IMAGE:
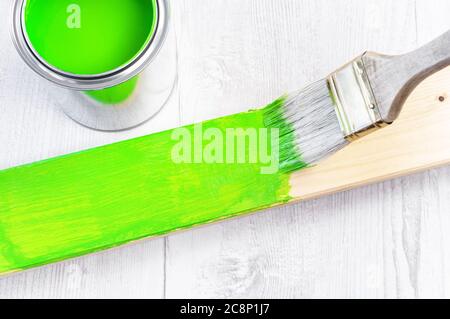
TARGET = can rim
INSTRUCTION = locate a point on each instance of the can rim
(97, 81)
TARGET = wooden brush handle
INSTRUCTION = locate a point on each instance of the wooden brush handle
(393, 78)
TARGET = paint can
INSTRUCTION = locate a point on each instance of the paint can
(111, 96)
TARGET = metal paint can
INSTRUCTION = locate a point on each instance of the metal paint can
(154, 69)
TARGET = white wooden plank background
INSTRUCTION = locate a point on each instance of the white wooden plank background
(384, 240)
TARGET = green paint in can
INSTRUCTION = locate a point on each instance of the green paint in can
(86, 37)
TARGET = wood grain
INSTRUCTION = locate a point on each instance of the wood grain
(332, 247)
(389, 239)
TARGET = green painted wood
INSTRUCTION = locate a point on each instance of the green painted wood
(112, 195)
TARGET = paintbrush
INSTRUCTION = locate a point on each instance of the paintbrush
(363, 96)
(153, 185)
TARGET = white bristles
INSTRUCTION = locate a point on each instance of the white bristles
(317, 132)
(309, 126)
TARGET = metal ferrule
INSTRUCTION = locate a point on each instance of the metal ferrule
(355, 103)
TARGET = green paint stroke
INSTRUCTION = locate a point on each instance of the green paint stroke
(104, 197)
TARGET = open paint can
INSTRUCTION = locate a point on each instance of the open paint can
(118, 58)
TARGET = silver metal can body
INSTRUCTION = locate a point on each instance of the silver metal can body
(154, 70)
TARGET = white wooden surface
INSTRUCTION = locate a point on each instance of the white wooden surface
(385, 240)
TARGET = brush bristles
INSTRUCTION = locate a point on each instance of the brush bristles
(308, 124)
